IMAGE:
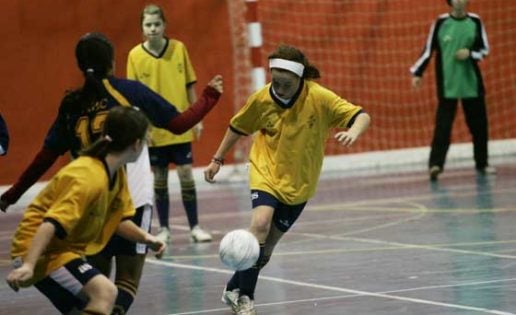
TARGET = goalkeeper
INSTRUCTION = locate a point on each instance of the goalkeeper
(460, 41)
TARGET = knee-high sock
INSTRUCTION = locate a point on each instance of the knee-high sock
(189, 196)
(248, 278)
(128, 274)
(234, 282)
(161, 195)
(124, 300)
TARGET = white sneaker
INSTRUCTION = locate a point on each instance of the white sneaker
(246, 306)
(231, 298)
(163, 234)
(200, 235)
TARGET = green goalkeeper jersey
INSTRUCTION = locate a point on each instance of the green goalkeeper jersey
(460, 79)
(456, 79)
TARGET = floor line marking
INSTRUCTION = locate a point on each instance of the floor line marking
(337, 289)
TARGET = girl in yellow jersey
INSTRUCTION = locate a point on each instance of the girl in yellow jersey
(164, 66)
(292, 117)
(76, 214)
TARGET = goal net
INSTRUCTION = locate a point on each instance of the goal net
(364, 49)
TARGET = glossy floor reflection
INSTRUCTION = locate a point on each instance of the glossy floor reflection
(393, 243)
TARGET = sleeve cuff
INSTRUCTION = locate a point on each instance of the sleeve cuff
(237, 131)
(60, 231)
(477, 55)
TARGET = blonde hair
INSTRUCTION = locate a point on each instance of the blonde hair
(151, 9)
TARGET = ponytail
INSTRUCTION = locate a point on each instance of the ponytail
(99, 148)
(93, 90)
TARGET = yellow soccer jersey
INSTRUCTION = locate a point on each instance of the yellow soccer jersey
(168, 75)
(86, 207)
(288, 151)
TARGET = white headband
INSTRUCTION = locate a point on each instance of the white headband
(289, 65)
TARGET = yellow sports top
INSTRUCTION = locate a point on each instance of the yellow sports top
(168, 75)
(85, 207)
(287, 152)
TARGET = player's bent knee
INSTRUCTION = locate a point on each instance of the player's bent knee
(101, 292)
(260, 228)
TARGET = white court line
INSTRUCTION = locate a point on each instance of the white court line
(332, 288)
(427, 247)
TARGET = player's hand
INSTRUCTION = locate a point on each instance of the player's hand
(210, 171)
(156, 245)
(217, 83)
(416, 82)
(346, 138)
(197, 130)
(462, 54)
(4, 205)
(17, 277)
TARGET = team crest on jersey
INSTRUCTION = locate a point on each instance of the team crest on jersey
(270, 125)
(311, 121)
(180, 67)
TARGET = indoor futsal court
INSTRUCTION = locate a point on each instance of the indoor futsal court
(386, 243)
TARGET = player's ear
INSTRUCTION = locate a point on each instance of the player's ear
(137, 145)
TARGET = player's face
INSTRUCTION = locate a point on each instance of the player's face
(153, 27)
(285, 83)
(459, 4)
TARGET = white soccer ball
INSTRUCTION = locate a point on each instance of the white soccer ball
(239, 250)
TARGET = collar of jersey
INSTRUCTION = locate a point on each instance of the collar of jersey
(292, 100)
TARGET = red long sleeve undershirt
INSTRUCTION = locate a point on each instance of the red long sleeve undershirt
(195, 113)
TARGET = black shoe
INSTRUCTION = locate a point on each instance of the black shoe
(488, 170)
(434, 171)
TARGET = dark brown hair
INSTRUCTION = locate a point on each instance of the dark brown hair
(94, 54)
(122, 127)
(293, 54)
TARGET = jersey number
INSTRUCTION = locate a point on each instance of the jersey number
(87, 127)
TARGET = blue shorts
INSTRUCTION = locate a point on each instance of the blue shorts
(178, 154)
(118, 245)
(284, 215)
(62, 286)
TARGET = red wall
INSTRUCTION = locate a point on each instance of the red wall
(363, 48)
(37, 47)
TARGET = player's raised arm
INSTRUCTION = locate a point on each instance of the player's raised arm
(195, 113)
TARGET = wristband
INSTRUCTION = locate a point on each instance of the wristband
(219, 161)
